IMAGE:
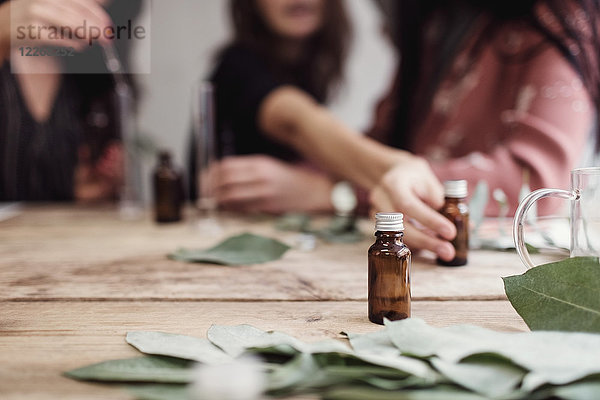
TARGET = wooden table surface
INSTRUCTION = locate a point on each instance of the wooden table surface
(74, 281)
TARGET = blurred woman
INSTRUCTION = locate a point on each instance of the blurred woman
(58, 137)
(277, 43)
(495, 91)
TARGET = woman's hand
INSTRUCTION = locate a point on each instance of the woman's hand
(412, 188)
(265, 184)
(34, 18)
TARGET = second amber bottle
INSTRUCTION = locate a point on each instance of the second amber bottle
(457, 211)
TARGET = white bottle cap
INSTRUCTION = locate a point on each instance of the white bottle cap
(389, 222)
(456, 189)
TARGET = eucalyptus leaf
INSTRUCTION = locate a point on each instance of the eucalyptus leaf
(296, 374)
(579, 391)
(556, 358)
(235, 340)
(409, 366)
(159, 392)
(559, 296)
(487, 377)
(308, 373)
(293, 223)
(326, 346)
(341, 229)
(407, 360)
(395, 384)
(141, 369)
(440, 393)
(179, 346)
(245, 249)
(367, 371)
(378, 343)
(377, 348)
(375, 376)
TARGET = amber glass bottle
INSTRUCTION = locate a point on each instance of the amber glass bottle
(457, 211)
(389, 271)
(168, 190)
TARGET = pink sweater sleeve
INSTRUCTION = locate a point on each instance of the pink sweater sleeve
(545, 133)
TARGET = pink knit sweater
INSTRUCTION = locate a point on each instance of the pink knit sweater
(494, 120)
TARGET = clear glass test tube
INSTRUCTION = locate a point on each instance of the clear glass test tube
(206, 154)
(131, 202)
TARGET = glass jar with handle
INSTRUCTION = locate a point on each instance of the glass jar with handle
(585, 214)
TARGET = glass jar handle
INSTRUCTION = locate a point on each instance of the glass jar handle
(525, 205)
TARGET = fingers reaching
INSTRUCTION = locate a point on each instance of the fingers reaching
(404, 193)
(413, 189)
(417, 239)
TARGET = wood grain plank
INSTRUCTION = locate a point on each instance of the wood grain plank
(38, 341)
(78, 253)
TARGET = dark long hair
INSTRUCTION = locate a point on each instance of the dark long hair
(580, 46)
(323, 62)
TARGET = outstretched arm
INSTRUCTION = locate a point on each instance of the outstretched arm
(292, 117)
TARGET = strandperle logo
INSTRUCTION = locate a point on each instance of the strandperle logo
(39, 47)
(90, 33)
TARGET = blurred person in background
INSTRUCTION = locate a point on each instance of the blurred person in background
(493, 91)
(277, 43)
(58, 136)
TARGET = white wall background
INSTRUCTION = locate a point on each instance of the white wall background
(185, 36)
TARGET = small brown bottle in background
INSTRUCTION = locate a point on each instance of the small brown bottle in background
(168, 190)
(457, 211)
(389, 271)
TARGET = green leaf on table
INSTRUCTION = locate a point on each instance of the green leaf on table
(407, 365)
(140, 369)
(341, 229)
(316, 372)
(559, 296)
(378, 349)
(487, 376)
(365, 393)
(236, 340)
(374, 343)
(293, 223)
(556, 358)
(579, 391)
(159, 392)
(245, 249)
(178, 346)
(295, 375)
(406, 360)
(394, 379)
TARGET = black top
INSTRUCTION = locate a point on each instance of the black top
(38, 160)
(243, 79)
